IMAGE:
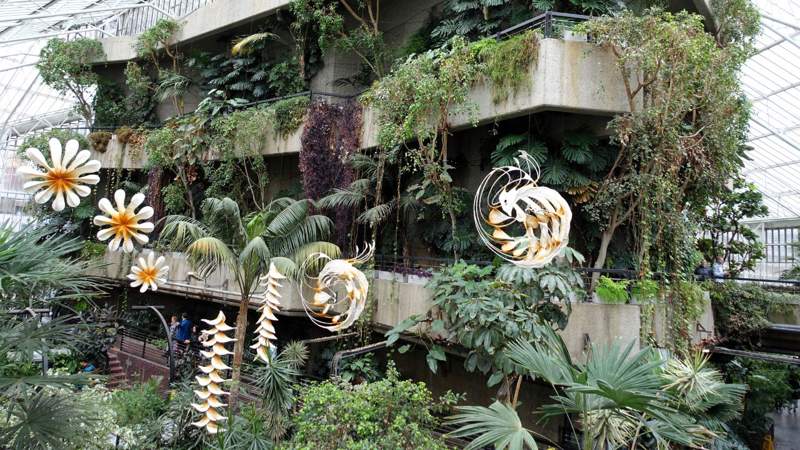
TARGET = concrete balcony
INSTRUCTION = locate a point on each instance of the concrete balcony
(570, 76)
(212, 18)
(400, 296)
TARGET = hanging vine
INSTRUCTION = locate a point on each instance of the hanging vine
(331, 135)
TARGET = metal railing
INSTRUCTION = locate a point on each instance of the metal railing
(552, 24)
(138, 19)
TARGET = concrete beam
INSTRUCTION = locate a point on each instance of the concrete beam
(207, 20)
(570, 76)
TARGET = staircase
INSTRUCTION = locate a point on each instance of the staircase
(117, 378)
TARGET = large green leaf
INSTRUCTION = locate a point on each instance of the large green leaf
(498, 426)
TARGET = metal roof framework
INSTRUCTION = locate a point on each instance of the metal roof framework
(771, 81)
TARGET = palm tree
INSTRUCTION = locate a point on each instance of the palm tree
(284, 232)
(37, 269)
(621, 397)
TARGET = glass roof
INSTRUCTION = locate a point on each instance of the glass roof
(771, 81)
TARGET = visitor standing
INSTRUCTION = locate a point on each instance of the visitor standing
(703, 272)
(718, 269)
(183, 334)
(173, 329)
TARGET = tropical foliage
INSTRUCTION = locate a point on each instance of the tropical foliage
(66, 66)
(284, 232)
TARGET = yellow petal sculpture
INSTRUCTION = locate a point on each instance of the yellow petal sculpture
(148, 273)
(67, 179)
(123, 222)
(210, 390)
(265, 332)
(337, 275)
(518, 220)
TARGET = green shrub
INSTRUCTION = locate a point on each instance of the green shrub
(770, 386)
(741, 310)
(156, 37)
(507, 62)
(386, 414)
(40, 141)
(138, 404)
(66, 66)
(613, 292)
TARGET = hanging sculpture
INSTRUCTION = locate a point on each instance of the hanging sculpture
(338, 281)
(265, 332)
(148, 273)
(521, 222)
(123, 222)
(68, 179)
(210, 391)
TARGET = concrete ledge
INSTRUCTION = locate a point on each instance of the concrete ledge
(570, 76)
(398, 297)
(206, 20)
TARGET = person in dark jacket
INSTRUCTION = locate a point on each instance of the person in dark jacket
(183, 334)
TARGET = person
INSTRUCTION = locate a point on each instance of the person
(87, 367)
(173, 329)
(703, 272)
(183, 334)
(718, 269)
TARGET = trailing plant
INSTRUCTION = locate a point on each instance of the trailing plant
(725, 235)
(741, 310)
(151, 45)
(132, 105)
(482, 312)
(680, 142)
(326, 19)
(389, 413)
(157, 38)
(66, 66)
(413, 104)
(99, 140)
(507, 62)
(610, 291)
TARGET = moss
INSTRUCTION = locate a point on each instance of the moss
(289, 114)
(100, 140)
(506, 63)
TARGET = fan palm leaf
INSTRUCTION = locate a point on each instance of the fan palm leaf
(245, 44)
(498, 426)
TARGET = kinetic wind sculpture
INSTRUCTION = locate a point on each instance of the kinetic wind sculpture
(148, 273)
(338, 281)
(265, 332)
(521, 222)
(123, 222)
(68, 179)
(210, 391)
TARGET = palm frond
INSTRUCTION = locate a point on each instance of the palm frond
(377, 214)
(311, 229)
(245, 44)
(302, 253)
(208, 254)
(289, 217)
(42, 421)
(342, 198)
(498, 426)
(180, 231)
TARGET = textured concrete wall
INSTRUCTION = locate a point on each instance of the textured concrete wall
(209, 19)
(397, 296)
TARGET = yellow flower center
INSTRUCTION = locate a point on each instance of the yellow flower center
(61, 180)
(148, 274)
(122, 223)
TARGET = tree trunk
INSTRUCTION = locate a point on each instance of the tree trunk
(602, 253)
(189, 196)
(238, 346)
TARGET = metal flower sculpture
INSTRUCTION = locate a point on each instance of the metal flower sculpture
(521, 222)
(148, 273)
(68, 179)
(338, 281)
(123, 222)
(210, 391)
(265, 332)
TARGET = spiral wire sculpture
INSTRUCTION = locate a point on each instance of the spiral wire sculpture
(322, 308)
(519, 221)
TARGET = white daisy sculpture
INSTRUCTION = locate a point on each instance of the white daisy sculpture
(68, 179)
(123, 222)
(210, 392)
(148, 273)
